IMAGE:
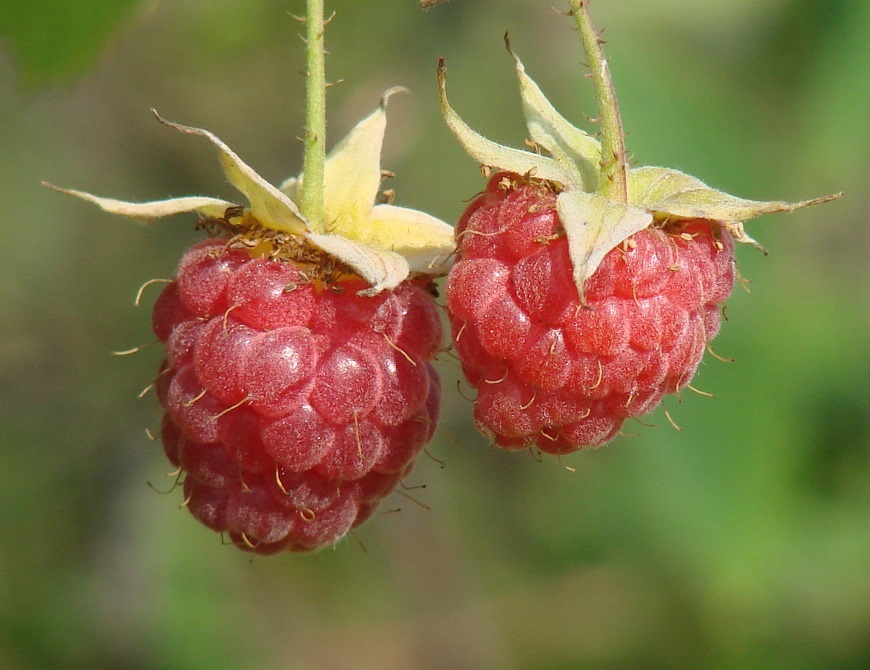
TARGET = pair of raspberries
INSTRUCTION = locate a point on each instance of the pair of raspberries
(294, 407)
(298, 387)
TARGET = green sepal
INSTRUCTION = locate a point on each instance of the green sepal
(671, 193)
(577, 152)
(491, 154)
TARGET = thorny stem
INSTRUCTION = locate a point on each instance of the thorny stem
(311, 200)
(614, 171)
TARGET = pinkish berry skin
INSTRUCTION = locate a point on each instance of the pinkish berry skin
(292, 408)
(562, 376)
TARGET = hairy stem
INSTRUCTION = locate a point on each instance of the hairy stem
(311, 199)
(614, 171)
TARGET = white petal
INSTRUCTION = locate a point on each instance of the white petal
(268, 205)
(384, 270)
(155, 209)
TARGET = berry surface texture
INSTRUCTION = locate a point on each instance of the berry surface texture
(561, 374)
(292, 406)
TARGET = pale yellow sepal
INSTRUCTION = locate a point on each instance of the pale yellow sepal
(412, 234)
(383, 244)
(594, 225)
(352, 175)
(384, 270)
(268, 205)
(352, 180)
(156, 209)
(272, 208)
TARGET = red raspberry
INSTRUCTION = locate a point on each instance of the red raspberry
(561, 375)
(292, 406)
(586, 290)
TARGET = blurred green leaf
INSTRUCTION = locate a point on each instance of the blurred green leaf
(57, 40)
(836, 91)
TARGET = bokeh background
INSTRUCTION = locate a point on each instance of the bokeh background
(741, 541)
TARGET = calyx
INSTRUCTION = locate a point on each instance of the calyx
(571, 161)
(382, 243)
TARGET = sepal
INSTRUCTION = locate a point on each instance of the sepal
(594, 225)
(673, 192)
(577, 152)
(491, 154)
(595, 221)
(381, 243)
(268, 205)
(384, 270)
(155, 209)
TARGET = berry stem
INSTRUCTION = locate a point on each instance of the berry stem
(311, 200)
(614, 171)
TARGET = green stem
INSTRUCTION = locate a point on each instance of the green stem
(614, 170)
(311, 199)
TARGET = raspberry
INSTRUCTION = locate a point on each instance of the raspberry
(557, 373)
(584, 289)
(297, 381)
(292, 407)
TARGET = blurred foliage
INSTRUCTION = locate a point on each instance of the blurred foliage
(55, 39)
(740, 541)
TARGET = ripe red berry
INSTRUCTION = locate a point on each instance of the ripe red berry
(292, 406)
(297, 382)
(554, 372)
(586, 289)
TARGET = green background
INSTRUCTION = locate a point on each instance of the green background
(741, 541)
